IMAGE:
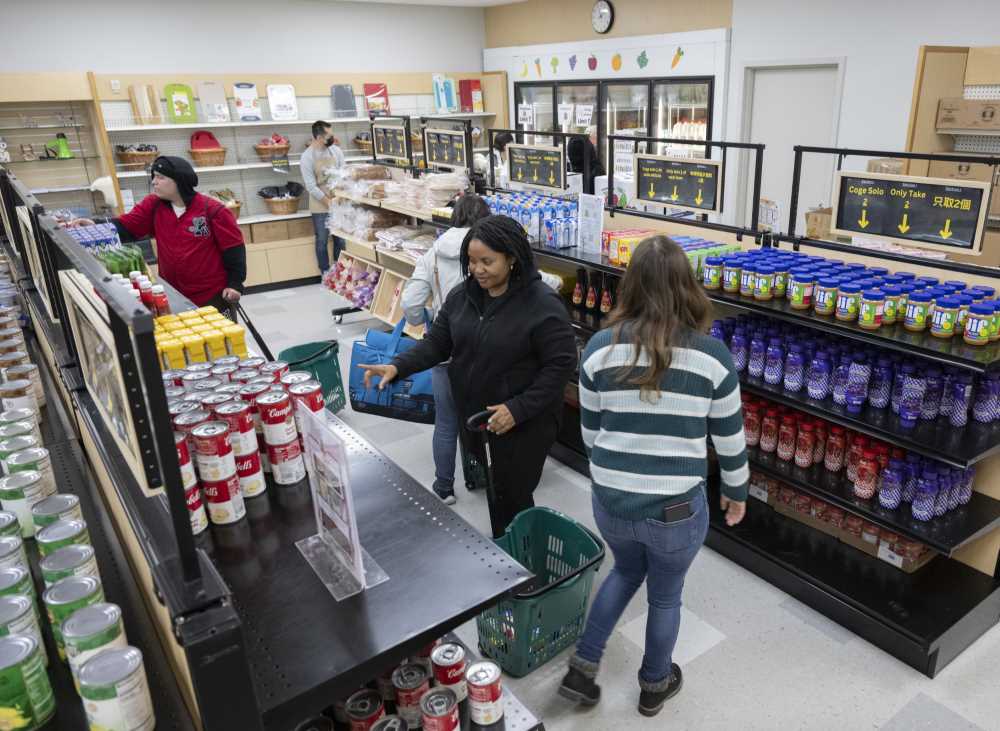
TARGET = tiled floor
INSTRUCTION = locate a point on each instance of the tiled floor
(753, 657)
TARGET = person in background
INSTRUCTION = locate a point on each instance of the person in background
(512, 351)
(653, 387)
(319, 153)
(578, 150)
(435, 274)
(499, 153)
(592, 135)
(199, 245)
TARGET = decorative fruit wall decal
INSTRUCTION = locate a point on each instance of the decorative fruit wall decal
(592, 62)
(642, 60)
(616, 62)
(572, 62)
(538, 66)
(554, 63)
(678, 55)
(524, 69)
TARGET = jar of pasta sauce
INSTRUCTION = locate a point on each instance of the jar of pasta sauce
(786, 438)
(836, 449)
(805, 443)
(769, 431)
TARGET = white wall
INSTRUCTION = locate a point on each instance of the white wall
(213, 36)
(879, 40)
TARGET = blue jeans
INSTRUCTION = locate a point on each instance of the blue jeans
(322, 234)
(445, 427)
(655, 552)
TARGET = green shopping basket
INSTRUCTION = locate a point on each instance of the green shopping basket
(528, 629)
(321, 360)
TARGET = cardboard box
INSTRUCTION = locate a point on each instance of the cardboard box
(887, 166)
(818, 222)
(270, 231)
(906, 565)
(970, 114)
(858, 542)
(816, 524)
(300, 227)
(968, 171)
(246, 230)
(983, 66)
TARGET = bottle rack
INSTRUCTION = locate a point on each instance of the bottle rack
(925, 618)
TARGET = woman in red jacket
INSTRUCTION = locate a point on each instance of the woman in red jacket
(199, 246)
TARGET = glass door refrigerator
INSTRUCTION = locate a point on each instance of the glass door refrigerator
(682, 110)
(624, 111)
(541, 98)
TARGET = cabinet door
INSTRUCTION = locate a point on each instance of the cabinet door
(292, 262)
(257, 269)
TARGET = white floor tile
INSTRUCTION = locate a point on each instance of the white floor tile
(696, 636)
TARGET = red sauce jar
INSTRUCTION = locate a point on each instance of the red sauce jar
(853, 525)
(857, 446)
(836, 449)
(802, 504)
(805, 443)
(786, 438)
(870, 533)
(835, 517)
(786, 495)
(769, 431)
(819, 446)
(866, 480)
(882, 454)
(818, 508)
(751, 423)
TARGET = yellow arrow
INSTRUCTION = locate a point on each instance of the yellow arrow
(520, 173)
(863, 221)
(534, 176)
(652, 191)
(673, 196)
(552, 178)
(904, 226)
(698, 199)
(946, 231)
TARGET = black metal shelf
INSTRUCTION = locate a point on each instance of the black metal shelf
(585, 321)
(945, 534)
(937, 439)
(925, 619)
(306, 649)
(953, 351)
(586, 259)
(46, 329)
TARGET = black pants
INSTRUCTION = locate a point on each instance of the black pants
(518, 459)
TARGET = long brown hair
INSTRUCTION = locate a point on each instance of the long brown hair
(659, 302)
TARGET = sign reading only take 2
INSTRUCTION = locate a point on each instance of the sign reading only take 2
(690, 183)
(931, 213)
(537, 165)
(390, 142)
(446, 148)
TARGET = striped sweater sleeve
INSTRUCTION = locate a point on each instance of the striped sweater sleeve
(725, 426)
(590, 399)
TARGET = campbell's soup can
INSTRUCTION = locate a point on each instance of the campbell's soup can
(485, 693)
(192, 379)
(249, 394)
(293, 377)
(439, 710)
(265, 462)
(193, 397)
(230, 388)
(173, 378)
(173, 392)
(227, 360)
(364, 709)
(287, 465)
(248, 469)
(306, 395)
(254, 362)
(213, 455)
(225, 372)
(276, 369)
(212, 400)
(411, 681)
(187, 421)
(225, 501)
(391, 723)
(196, 508)
(244, 375)
(188, 477)
(198, 368)
(239, 417)
(448, 661)
(264, 380)
(276, 419)
(207, 385)
(176, 408)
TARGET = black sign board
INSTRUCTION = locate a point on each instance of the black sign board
(679, 182)
(445, 148)
(932, 213)
(537, 165)
(390, 142)
(279, 164)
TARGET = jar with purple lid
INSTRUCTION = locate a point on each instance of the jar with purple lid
(819, 376)
(890, 489)
(774, 361)
(926, 495)
(794, 375)
(931, 406)
(880, 390)
(911, 398)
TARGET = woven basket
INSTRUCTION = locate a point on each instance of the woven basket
(267, 152)
(206, 158)
(133, 160)
(282, 206)
(235, 208)
(365, 145)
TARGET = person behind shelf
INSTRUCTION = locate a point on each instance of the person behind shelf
(511, 350)
(199, 246)
(499, 154)
(578, 150)
(653, 388)
(592, 135)
(322, 152)
(436, 273)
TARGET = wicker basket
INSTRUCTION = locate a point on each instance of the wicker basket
(133, 160)
(235, 208)
(365, 145)
(209, 157)
(267, 152)
(282, 206)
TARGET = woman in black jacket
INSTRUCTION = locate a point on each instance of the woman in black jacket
(512, 352)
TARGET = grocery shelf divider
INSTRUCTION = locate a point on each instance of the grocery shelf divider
(925, 618)
(945, 534)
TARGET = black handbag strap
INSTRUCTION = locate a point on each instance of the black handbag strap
(264, 350)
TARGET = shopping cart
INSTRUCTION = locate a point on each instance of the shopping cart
(528, 629)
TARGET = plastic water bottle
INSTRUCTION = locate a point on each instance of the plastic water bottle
(718, 330)
(961, 392)
(985, 405)
(739, 349)
(858, 374)
(818, 377)
(947, 396)
(932, 393)
(897, 386)
(774, 361)
(758, 354)
(912, 475)
(890, 490)
(911, 400)
(880, 390)
(794, 376)
(926, 495)
(840, 380)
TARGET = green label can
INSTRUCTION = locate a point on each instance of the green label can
(75, 560)
(26, 698)
(17, 617)
(18, 493)
(56, 507)
(12, 553)
(15, 580)
(9, 524)
(9, 447)
(66, 596)
(90, 630)
(29, 416)
(115, 692)
(61, 533)
(35, 459)
(30, 373)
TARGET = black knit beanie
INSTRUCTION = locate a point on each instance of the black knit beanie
(180, 171)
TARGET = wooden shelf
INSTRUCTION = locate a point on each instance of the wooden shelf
(112, 128)
(208, 169)
(268, 217)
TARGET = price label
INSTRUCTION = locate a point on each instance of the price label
(932, 213)
(889, 556)
(758, 492)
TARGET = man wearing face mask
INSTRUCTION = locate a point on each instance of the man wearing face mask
(320, 151)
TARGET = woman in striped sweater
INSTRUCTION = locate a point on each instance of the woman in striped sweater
(653, 388)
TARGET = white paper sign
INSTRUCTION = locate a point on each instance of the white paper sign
(333, 502)
(889, 556)
(590, 223)
(281, 99)
(526, 116)
(565, 113)
(584, 113)
(758, 492)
